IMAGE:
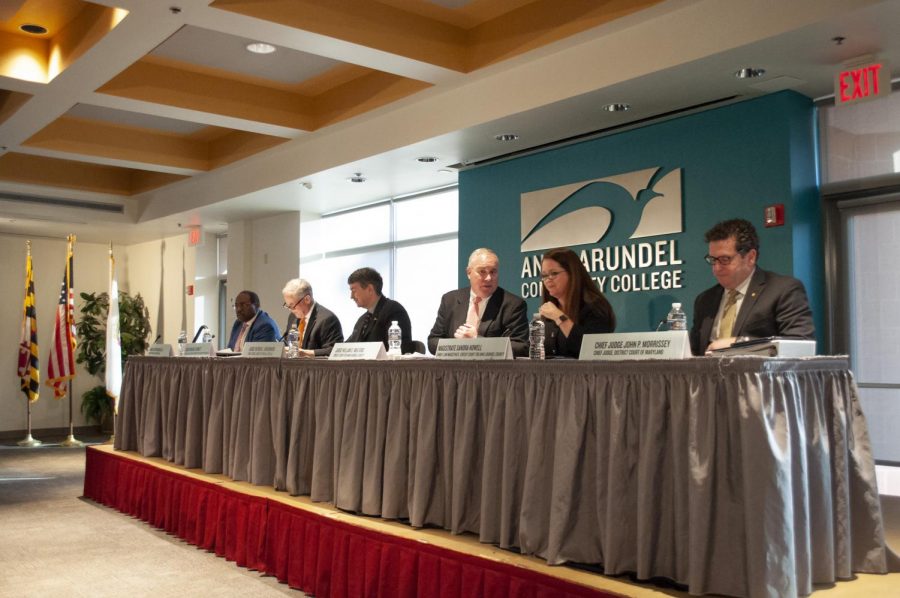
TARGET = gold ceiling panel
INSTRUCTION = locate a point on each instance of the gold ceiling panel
(427, 33)
(72, 29)
(69, 174)
(336, 97)
(140, 145)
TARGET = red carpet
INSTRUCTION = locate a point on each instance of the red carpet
(308, 551)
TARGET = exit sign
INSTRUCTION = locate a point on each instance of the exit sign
(862, 82)
(195, 236)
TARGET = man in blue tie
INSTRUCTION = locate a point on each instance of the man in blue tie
(252, 323)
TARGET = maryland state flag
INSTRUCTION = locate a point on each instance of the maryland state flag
(29, 368)
(61, 365)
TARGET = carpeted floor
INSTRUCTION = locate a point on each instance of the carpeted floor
(53, 543)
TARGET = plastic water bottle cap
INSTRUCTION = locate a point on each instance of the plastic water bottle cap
(676, 306)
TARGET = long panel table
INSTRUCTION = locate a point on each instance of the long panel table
(741, 476)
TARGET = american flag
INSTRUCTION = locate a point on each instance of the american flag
(29, 369)
(61, 365)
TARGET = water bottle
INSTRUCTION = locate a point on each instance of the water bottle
(293, 343)
(536, 338)
(182, 341)
(394, 336)
(677, 319)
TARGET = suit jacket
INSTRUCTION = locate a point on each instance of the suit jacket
(263, 329)
(775, 305)
(374, 327)
(323, 330)
(504, 315)
(590, 321)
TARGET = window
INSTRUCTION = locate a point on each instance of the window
(873, 282)
(411, 241)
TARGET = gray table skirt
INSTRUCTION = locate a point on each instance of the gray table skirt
(738, 476)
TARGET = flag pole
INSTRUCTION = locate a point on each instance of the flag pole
(29, 441)
(70, 441)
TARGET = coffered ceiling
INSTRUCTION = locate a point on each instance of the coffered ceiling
(127, 118)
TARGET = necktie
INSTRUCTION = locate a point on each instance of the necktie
(239, 345)
(364, 329)
(473, 318)
(301, 328)
(727, 324)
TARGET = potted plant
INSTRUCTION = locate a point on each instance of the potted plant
(134, 330)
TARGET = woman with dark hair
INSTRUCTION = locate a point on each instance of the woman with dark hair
(573, 305)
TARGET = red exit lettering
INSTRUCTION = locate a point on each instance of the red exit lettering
(860, 83)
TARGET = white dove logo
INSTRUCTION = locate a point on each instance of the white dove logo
(546, 222)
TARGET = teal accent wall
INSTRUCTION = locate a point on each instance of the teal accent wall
(735, 160)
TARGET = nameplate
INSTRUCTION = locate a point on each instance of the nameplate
(481, 348)
(199, 350)
(672, 344)
(160, 351)
(262, 349)
(355, 351)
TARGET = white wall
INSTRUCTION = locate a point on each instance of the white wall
(91, 274)
(263, 254)
(158, 271)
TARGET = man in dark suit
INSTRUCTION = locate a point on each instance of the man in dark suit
(365, 289)
(252, 323)
(482, 309)
(319, 328)
(748, 302)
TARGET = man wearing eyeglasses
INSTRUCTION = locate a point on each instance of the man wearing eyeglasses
(748, 302)
(317, 325)
(482, 309)
(252, 323)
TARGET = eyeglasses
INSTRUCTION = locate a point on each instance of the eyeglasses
(551, 275)
(298, 302)
(485, 272)
(722, 260)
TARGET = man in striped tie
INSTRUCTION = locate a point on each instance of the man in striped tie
(483, 308)
(748, 302)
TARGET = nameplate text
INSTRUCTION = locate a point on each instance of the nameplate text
(672, 344)
(160, 350)
(199, 350)
(480, 348)
(355, 351)
(262, 349)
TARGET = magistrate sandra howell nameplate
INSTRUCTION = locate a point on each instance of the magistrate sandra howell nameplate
(673, 344)
(474, 348)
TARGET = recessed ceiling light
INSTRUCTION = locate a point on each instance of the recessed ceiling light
(427, 159)
(749, 73)
(506, 137)
(445, 171)
(32, 28)
(260, 48)
(617, 107)
(357, 178)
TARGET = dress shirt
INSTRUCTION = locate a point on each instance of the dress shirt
(742, 292)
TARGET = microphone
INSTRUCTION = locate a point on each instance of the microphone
(199, 332)
(661, 324)
(158, 336)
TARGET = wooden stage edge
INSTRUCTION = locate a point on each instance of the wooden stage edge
(465, 544)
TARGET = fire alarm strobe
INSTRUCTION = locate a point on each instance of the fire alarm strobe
(774, 215)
